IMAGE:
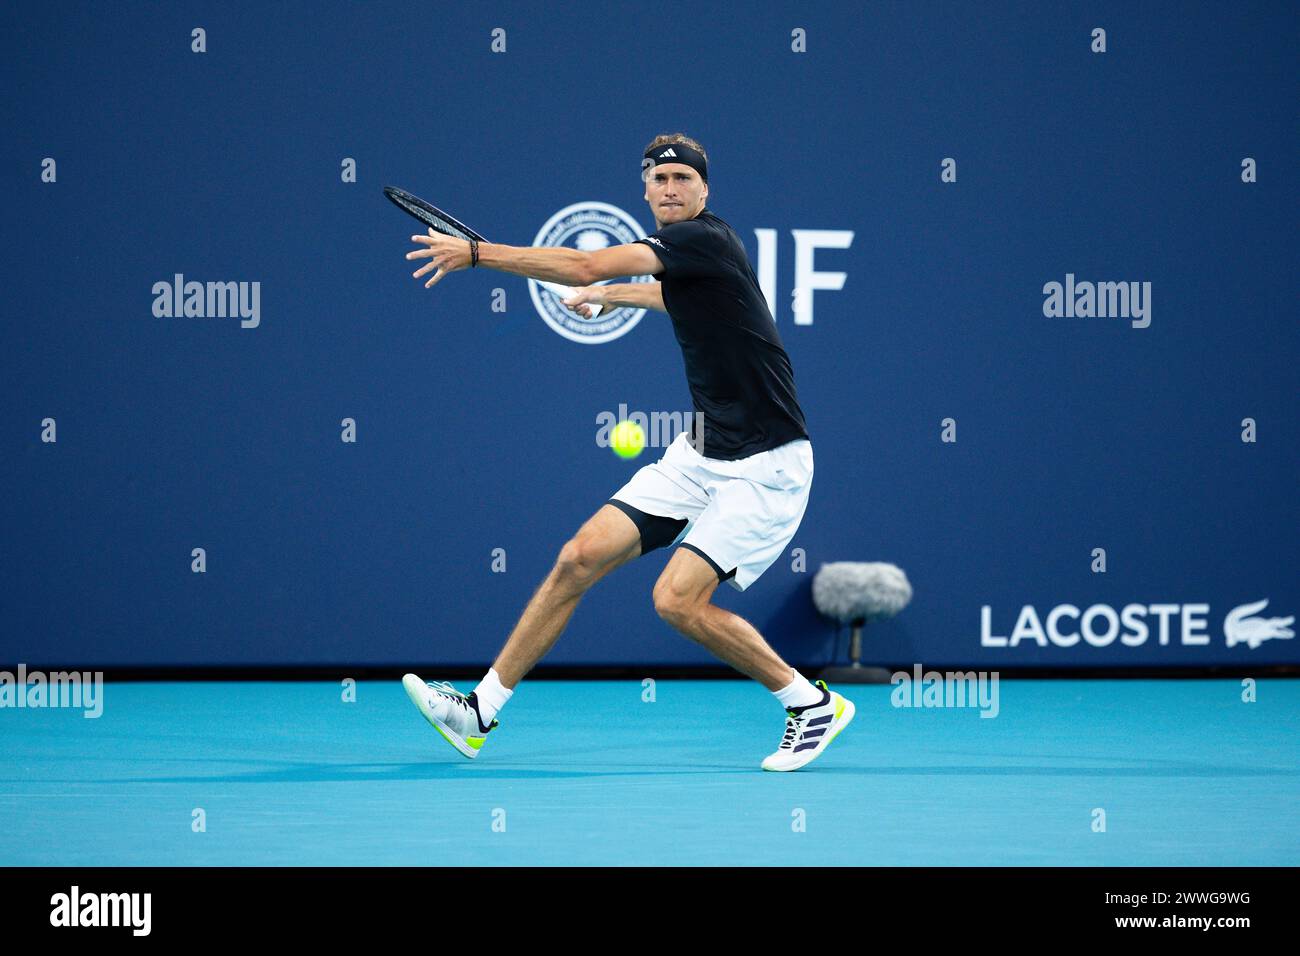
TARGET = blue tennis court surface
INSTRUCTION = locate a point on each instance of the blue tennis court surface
(585, 773)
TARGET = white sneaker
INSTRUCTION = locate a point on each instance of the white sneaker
(452, 713)
(808, 730)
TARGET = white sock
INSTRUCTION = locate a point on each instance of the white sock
(799, 692)
(491, 695)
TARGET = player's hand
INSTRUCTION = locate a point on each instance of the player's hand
(444, 254)
(584, 298)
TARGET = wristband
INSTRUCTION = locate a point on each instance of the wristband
(473, 253)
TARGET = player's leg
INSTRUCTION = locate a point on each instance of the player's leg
(649, 511)
(753, 515)
(815, 714)
(609, 538)
(682, 597)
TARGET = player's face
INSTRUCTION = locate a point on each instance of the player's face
(675, 192)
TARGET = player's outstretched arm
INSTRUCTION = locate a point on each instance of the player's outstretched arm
(548, 263)
(571, 266)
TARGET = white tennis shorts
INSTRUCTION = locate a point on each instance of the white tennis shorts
(741, 514)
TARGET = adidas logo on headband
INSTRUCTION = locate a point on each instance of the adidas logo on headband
(670, 153)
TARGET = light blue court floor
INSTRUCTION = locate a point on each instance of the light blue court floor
(588, 773)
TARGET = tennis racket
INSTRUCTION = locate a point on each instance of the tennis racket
(449, 225)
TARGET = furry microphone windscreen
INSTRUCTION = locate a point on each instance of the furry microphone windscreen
(851, 590)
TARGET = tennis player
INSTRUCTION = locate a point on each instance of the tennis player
(730, 506)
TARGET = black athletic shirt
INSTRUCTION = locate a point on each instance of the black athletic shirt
(739, 374)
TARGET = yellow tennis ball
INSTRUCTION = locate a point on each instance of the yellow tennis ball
(627, 439)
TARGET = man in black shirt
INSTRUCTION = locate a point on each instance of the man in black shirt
(733, 501)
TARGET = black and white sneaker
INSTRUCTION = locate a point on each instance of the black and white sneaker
(809, 729)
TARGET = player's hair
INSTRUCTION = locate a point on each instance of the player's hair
(663, 139)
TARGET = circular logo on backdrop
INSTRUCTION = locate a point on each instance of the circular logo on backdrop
(589, 226)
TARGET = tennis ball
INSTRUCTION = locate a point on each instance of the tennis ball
(627, 439)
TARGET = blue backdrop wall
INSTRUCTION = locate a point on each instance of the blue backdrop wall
(130, 438)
